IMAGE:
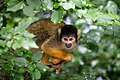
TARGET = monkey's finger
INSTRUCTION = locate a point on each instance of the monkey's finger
(57, 70)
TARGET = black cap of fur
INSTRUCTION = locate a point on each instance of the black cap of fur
(68, 30)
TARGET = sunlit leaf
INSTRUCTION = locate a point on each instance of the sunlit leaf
(30, 3)
(104, 19)
(27, 44)
(17, 43)
(23, 25)
(68, 5)
(81, 12)
(112, 7)
(28, 10)
(16, 7)
(48, 4)
(114, 16)
(92, 14)
(78, 3)
(117, 22)
(28, 35)
(57, 16)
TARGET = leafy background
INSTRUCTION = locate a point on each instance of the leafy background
(96, 58)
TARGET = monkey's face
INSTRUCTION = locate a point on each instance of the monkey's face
(69, 42)
(69, 36)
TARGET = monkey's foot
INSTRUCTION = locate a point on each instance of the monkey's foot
(57, 66)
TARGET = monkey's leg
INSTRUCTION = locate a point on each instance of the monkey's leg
(57, 63)
(45, 59)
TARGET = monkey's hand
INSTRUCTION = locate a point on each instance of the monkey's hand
(53, 49)
(45, 59)
(60, 56)
(68, 57)
(57, 53)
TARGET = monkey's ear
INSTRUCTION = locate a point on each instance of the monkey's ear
(78, 34)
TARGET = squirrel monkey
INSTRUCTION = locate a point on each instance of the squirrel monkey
(57, 44)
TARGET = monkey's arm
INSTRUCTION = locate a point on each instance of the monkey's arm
(55, 51)
(62, 55)
(46, 59)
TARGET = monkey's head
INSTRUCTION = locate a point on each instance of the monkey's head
(69, 36)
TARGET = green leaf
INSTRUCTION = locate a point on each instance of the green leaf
(2, 43)
(117, 22)
(81, 12)
(36, 56)
(92, 14)
(31, 67)
(17, 41)
(27, 44)
(78, 3)
(30, 3)
(1, 19)
(17, 44)
(18, 77)
(16, 7)
(112, 7)
(28, 35)
(42, 67)
(82, 3)
(36, 74)
(5, 30)
(56, 5)
(48, 4)
(9, 43)
(23, 25)
(34, 3)
(114, 16)
(20, 62)
(104, 19)
(28, 10)
(57, 16)
(62, 0)
(68, 5)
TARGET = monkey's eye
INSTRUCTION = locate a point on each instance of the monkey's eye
(70, 39)
(65, 39)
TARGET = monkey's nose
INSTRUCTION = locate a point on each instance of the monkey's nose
(68, 45)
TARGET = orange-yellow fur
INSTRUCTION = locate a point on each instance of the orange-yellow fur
(44, 29)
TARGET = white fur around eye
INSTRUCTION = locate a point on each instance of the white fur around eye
(71, 39)
(65, 39)
(68, 39)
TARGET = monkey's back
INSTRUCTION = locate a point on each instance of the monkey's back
(43, 29)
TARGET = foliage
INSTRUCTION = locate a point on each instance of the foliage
(96, 58)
